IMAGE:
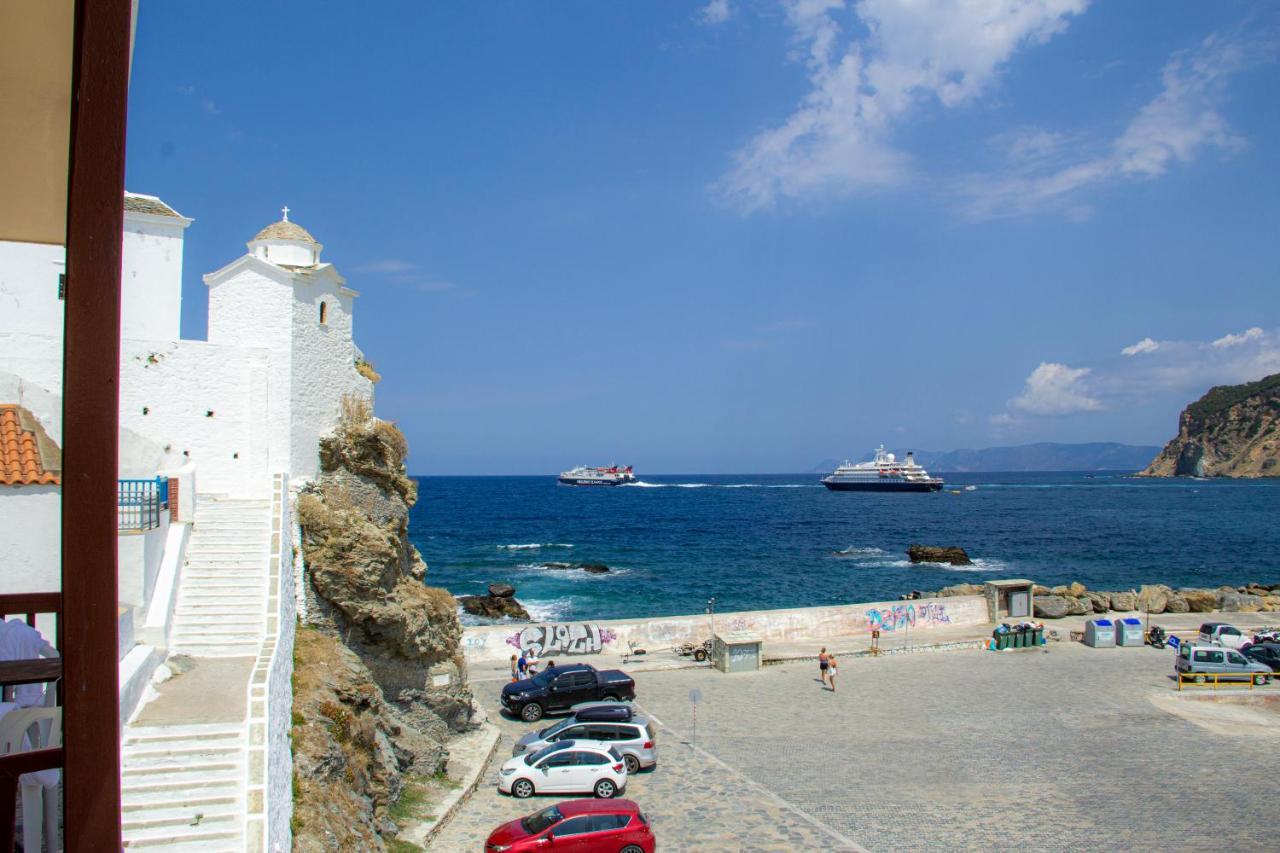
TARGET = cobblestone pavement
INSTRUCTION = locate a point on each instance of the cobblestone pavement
(1063, 750)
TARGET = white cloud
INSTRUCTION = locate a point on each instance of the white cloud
(715, 12)
(840, 137)
(1144, 345)
(1181, 369)
(387, 266)
(1056, 389)
(1180, 122)
(1230, 340)
(435, 286)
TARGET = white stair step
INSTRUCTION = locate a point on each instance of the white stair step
(216, 650)
(139, 778)
(179, 757)
(216, 817)
(173, 839)
(183, 807)
(178, 794)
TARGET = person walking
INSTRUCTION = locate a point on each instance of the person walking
(824, 663)
(832, 672)
(515, 668)
(522, 665)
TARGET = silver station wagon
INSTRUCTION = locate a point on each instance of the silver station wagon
(634, 739)
(1199, 660)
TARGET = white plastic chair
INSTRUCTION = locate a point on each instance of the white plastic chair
(26, 729)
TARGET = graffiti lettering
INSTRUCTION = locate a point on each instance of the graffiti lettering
(903, 616)
(573, 639)
(474, 641)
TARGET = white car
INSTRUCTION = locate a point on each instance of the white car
(1222, 634)
(565, 767)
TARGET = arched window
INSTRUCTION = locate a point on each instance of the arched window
(324, 313)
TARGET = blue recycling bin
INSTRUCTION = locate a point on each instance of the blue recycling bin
(1100, 633)
(1129, 632)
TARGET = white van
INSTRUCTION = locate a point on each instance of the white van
(1198, 659)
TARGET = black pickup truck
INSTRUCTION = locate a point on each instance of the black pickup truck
(559, 687)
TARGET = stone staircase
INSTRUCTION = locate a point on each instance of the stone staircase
(224, 581)
(183, 787)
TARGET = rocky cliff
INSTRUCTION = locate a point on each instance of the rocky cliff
(379, 682)
(1232, 431)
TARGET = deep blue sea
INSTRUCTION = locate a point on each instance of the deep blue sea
(761, 541)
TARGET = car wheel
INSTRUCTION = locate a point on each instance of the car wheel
(522, 789)
(632, 848)
(633, 764)
(1199, 679)
(609, 697)
(1259, 679)
(531, 713)
(700, 655)
(605, 789)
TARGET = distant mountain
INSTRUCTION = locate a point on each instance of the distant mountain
(1044, 456)
(1232, 431)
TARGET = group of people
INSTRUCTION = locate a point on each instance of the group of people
(827, 669)
(525, 664)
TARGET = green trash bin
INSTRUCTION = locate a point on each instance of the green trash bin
(1019, 639)
(1002, 640)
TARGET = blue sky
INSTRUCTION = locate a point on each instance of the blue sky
(744, 236)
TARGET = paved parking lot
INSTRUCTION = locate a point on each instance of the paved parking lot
(1073, 749)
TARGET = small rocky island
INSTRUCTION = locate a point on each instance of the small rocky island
(500, 603)
(1232, 431)
(952, 554)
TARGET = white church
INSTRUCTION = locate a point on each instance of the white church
(215, 437)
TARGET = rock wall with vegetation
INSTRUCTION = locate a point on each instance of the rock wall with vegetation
(379, 681)
(1075, 599)
(1232, 431)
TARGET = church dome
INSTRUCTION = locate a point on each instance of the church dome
(285, 230)
(286, 244)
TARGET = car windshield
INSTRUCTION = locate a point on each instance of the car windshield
(538, 821)
(543, 678)
(557, 728)
(545, 751)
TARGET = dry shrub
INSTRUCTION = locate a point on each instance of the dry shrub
(366, 369)
(355, 411)
(393, 438)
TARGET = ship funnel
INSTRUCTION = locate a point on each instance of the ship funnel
(911, 457)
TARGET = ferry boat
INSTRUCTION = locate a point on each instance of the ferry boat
(884, 473)
(584, 476)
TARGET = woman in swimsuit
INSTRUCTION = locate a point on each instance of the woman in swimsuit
(823, 664)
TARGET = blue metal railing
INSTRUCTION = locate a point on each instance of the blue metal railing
(140, 502)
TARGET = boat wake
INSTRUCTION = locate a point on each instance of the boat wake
(641, 484)
(532, 546)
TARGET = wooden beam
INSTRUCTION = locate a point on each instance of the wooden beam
(90, 431)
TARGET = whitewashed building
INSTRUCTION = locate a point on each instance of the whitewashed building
(232, 424)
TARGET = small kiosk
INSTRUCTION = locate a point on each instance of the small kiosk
(1009, 599)
(737, 651)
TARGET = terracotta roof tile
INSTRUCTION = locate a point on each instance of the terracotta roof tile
(23, 459)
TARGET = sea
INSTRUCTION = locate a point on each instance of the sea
(673, 543)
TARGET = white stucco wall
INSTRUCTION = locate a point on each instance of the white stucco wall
(279, 787)
(252, 307)
(29, 300)
(168, 391)
(151, 280)
(323, 368)
(140, 554)
(30, 539)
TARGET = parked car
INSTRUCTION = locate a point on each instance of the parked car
(588, 826)
(1198, 659)
(565, 767)
(558, 688)
(1264, 653)
(1223, 634)
(603, 712)
(634, 739)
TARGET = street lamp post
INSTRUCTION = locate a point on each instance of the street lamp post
(711, 612)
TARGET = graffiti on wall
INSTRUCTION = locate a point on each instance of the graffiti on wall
(902, 616)
(577, 638)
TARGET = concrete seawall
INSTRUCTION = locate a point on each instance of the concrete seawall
(489, 643)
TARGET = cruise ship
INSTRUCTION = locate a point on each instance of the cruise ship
(884, 473)
(584, 476)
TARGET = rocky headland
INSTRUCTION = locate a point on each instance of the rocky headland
(1232, 431)
(379, 683)
(1077, 600)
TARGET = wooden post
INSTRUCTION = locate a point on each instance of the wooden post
(90, 418)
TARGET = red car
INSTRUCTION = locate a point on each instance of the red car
(583, 826)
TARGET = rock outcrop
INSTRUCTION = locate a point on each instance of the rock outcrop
(500, 603)
(379, 676)
(589, 568)
(1232, 431)
(952, 554)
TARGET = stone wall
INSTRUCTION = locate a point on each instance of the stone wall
(491, 643)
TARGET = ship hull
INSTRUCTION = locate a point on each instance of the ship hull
(838, 486)
(574, 481)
